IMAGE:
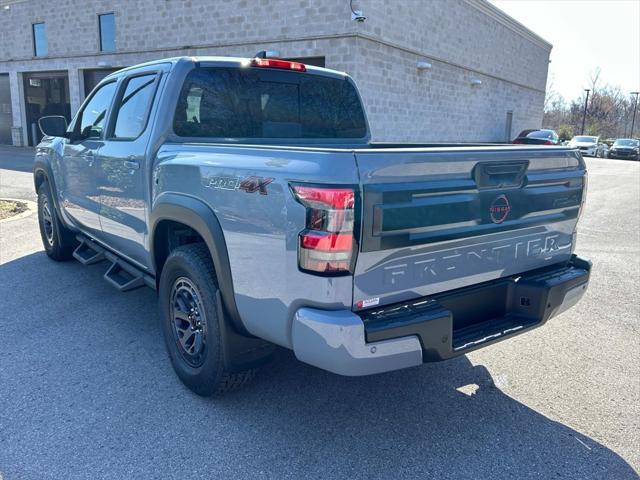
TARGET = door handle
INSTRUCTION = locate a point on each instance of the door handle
(132, 164)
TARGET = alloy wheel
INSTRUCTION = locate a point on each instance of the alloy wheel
(47, 221)
(189, 322)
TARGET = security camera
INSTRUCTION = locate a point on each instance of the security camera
(358, 16)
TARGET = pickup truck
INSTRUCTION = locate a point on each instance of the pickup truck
(247, 192)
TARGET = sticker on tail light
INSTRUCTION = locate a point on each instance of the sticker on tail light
(369, 302)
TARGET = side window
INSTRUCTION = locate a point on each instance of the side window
(91, 120)
(133, 109)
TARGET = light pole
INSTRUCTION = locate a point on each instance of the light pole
(635, 107)
(584, 114)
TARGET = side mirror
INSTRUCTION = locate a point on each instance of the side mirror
(53, 126)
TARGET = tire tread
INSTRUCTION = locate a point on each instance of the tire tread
(64, 240)
(197, 256)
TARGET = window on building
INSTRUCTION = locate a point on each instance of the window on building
(91, 119)
(107, 24)
(134, 107)
(40, 40)
(261, 103)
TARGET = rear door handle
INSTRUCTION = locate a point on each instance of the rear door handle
(132, 164)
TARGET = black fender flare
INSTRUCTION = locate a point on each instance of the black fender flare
(41, 166)
(197, 215)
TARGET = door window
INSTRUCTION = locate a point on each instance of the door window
(91, 120)
(134, 107)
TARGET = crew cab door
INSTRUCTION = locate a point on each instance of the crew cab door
(79, 190)
(123, 172)
(440, 219)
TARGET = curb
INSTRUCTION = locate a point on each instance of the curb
(32, 208)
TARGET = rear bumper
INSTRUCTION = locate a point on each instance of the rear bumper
(437, 327)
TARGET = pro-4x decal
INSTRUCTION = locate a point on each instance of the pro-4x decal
(249, 184)
(255, 184)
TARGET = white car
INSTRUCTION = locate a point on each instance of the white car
(587, 145)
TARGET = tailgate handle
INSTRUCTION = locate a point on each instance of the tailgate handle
(500, 174)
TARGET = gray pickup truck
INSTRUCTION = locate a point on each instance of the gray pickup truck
(247, 192)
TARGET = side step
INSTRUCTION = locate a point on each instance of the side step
(123, 276)
(88, 252)
(120, 274)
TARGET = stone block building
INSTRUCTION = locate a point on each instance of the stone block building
(428, 70)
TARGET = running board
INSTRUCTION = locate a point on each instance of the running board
(88, 252)
(120, 274)
(123, 276)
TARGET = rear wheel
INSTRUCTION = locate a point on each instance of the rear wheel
(58, 241)
(190, 322)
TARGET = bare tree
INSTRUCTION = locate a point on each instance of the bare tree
(608, 112)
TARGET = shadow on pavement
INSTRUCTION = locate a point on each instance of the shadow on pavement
(19, 159)
(87, 387)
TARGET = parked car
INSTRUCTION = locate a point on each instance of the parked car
(537, 137)
(603, 150)
(588, 145)
(625, 148)
(248, 194)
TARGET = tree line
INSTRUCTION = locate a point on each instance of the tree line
(609, 112)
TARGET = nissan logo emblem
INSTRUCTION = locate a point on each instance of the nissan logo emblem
(499, 209)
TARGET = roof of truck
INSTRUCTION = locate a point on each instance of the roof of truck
(238, 61)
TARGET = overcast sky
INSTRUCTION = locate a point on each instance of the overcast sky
(586, 34)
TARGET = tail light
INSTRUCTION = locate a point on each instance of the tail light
(275, 63)
(548, 142)
(517, 141)
(328, 243)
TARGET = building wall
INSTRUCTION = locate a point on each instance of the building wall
(469, 33)
(439, 104)
(462, 39)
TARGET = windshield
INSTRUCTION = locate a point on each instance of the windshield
(585, 139)
(264, 103)
(626, 142)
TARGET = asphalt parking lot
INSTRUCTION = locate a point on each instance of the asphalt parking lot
(86, 389)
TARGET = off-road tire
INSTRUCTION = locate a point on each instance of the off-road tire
(193, 263)
(58, 241)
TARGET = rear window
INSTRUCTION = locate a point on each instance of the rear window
(261, 103)
(538, 134)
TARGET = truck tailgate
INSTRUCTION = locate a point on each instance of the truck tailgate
(438, 219)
